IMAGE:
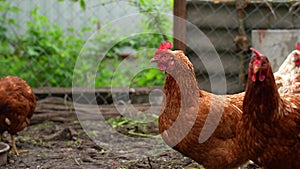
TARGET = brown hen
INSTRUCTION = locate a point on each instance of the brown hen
(187, 109)
(285, 78)
(17, 104)
(269, 130)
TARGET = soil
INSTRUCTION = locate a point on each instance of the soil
(66, 145)
(89, 143)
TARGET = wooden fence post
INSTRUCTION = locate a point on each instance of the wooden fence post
(179, 26)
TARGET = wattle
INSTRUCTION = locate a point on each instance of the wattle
(161, 67)
(262, 77)
(297, 62)
(253, 77)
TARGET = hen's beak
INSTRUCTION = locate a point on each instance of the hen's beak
(256, 68)
(154, 59)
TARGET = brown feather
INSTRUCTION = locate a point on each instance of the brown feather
(17, 104)
(270, 123)
(185, 105)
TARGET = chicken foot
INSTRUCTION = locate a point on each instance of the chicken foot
(14, 147)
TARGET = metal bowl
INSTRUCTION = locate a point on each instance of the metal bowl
(4, 148)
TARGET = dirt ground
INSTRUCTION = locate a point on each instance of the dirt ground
(67, 143)
(60, 145)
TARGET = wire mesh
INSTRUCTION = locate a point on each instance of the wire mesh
(229, 25)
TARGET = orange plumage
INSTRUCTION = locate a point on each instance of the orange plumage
(269, 130)
(17, 105)
(185, 110)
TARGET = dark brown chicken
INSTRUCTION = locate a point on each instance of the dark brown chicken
(287, 77)
(187, 109)
(284, 77)
(269, 130)
(17, 104)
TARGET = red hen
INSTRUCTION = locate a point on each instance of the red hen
(17, 105)
(269, 130)
(186, 110)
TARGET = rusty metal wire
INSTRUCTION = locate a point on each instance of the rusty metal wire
(229, 26)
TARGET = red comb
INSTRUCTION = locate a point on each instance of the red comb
(256, 53)
(298, 46)
(164, 46)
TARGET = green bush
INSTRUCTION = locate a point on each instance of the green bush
(154, 20)
(46, 54)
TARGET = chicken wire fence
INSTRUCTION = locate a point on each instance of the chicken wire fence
(235, 26)
(229, 26)
(42, 40)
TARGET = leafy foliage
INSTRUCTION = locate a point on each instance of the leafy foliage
(6, 23)
(159, 25)
(45, 55)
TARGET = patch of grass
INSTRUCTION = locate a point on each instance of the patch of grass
(36, 142)
(73, 143)
(25, 138)
(200, 167)
(141, 127)
(44, 124)
(93, 132)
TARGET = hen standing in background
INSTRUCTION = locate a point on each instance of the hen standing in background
(295, 86)
(186, 105)
(269, 130)
(288, 71)
(284, 77)
(17, 105)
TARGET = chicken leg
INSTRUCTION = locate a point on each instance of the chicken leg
(14, 147)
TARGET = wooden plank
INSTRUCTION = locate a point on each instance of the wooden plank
(179, 24)
(96, 95)
(60, 110)
(70, 90)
